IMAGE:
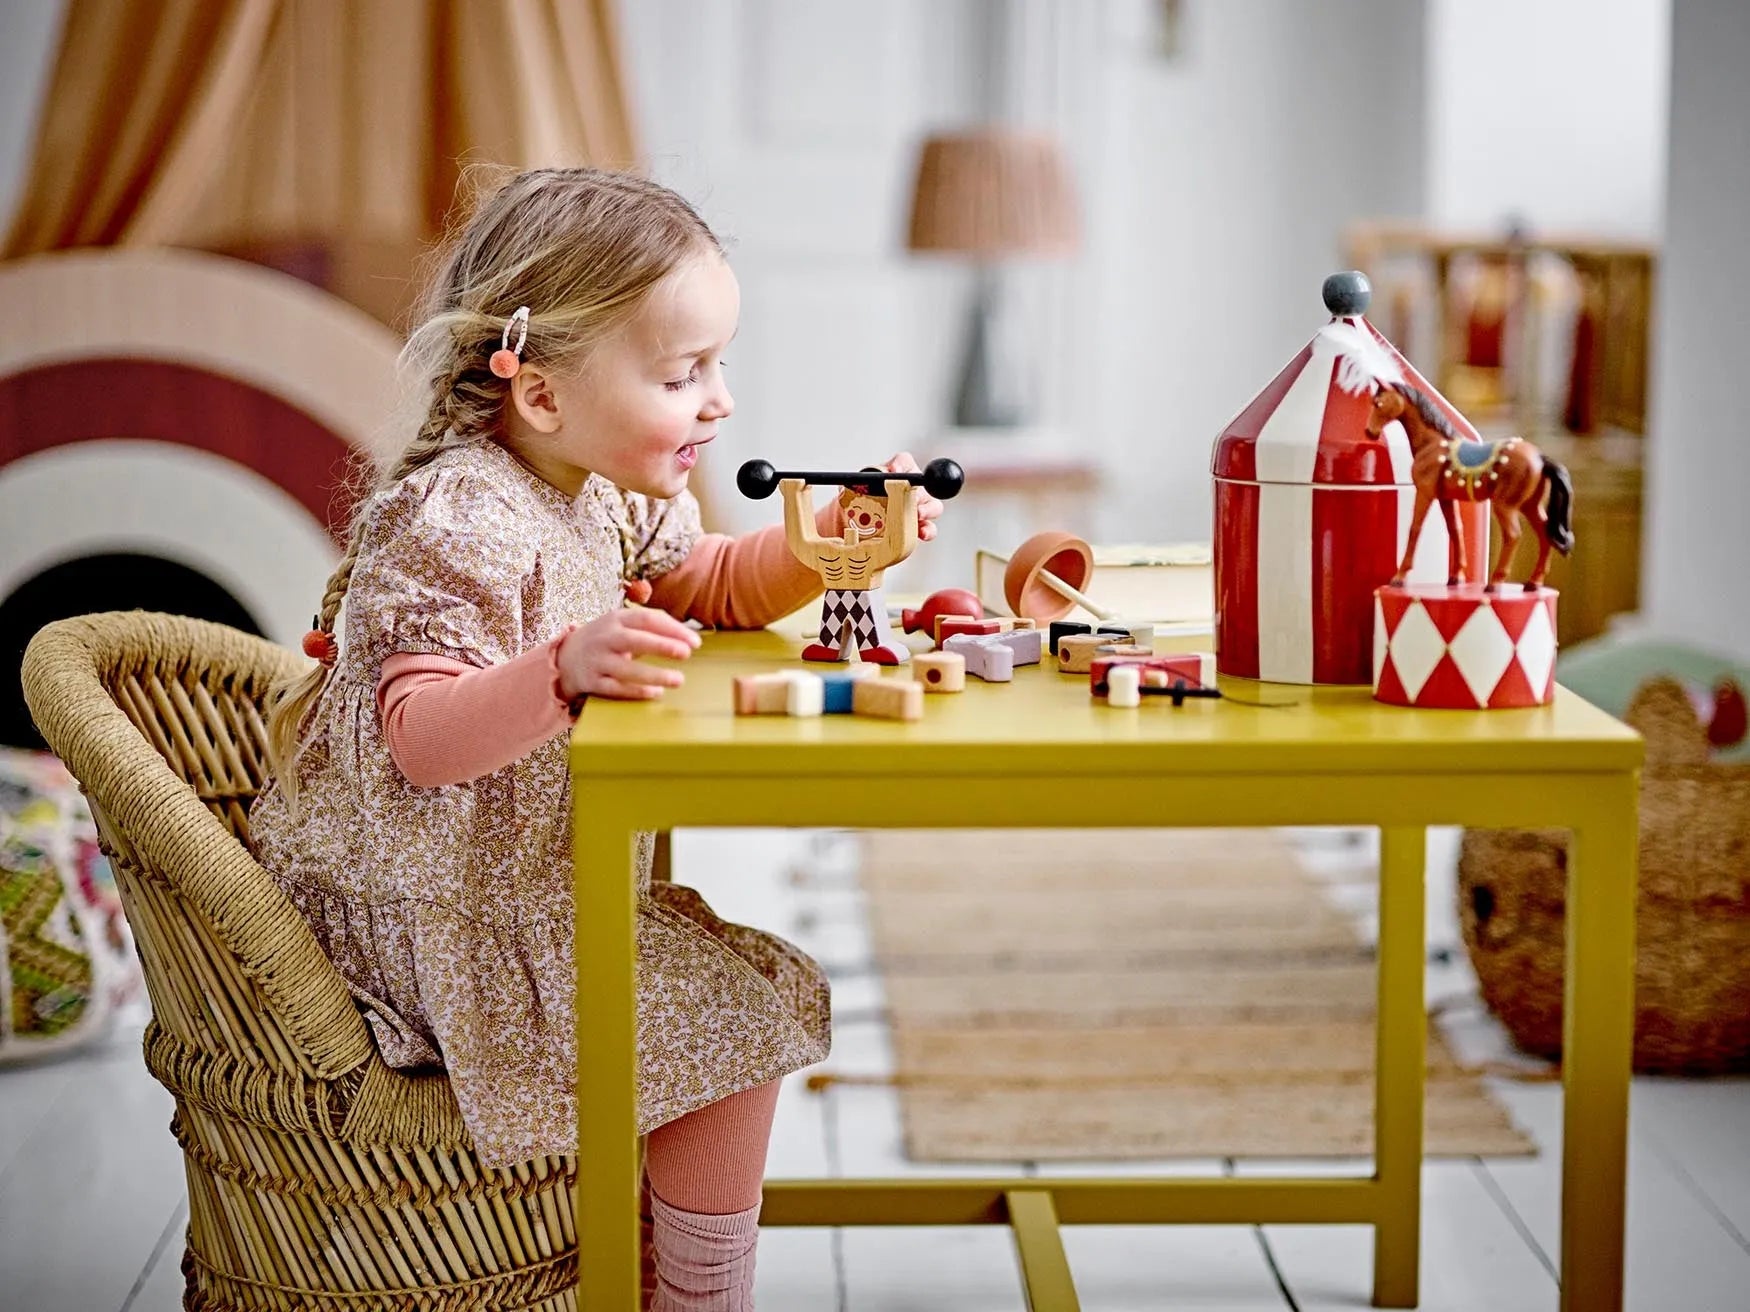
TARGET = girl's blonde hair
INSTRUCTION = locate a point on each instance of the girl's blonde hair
(582, 248)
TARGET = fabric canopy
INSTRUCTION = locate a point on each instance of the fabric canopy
(218, 123)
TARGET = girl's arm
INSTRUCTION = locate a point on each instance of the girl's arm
(743, 582)
(447, 722)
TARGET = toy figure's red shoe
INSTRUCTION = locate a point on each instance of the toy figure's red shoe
(885, 655)
(816, 651)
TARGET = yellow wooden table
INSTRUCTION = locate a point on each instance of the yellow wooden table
(1041, 753)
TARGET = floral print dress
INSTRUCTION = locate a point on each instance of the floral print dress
(449, 910)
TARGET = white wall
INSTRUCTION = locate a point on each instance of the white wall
(29, 34)
(1698, 482)
(1553, 110)
(1220, 181)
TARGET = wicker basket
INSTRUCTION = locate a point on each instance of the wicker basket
(1692, 966)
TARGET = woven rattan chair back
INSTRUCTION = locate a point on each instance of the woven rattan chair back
(318, 1176)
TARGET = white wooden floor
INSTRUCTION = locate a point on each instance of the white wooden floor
(92, 1210)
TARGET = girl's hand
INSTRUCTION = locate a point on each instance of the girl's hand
(928, 506)
(601, 658)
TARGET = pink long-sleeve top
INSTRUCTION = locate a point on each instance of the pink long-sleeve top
(446, 722)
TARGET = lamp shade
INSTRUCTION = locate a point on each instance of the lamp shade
(993, 193)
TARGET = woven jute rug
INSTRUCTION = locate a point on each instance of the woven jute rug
(1126, 994)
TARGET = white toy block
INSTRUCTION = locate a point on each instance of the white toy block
(1124, 687)
(806, 694)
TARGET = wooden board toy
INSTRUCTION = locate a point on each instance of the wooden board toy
(1169, 584)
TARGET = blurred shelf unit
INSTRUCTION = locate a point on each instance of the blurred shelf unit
(1524, 334)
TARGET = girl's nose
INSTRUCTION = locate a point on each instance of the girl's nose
(719, 404)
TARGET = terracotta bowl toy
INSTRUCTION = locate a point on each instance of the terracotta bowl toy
(1044, 578)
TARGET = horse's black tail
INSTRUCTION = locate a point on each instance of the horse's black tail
(1561, 505)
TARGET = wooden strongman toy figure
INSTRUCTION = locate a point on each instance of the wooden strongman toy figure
(881, 529)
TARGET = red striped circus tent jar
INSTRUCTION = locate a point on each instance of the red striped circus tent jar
(1311, 514)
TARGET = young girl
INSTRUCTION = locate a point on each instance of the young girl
(419, 816)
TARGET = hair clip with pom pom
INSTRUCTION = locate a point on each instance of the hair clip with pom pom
(319, 644)
(507, 359)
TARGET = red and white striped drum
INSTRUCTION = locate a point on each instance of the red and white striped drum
(1312, 515)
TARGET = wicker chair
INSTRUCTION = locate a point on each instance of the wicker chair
(318, 1177)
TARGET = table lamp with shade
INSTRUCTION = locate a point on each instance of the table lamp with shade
(992, 194)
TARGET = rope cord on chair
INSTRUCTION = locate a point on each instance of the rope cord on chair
(509, 1291)
(380, 1106)
(403, 1192)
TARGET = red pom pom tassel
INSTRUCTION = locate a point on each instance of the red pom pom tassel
(504, 363)
(638, 591)
(320, 646)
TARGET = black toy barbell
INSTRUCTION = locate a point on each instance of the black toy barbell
(941, 478)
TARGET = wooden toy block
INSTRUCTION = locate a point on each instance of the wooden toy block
(1061, 629)
(806, 694)
(1157, 672)
(762, 694)
(994, 662)
(1076, 652)
(948, 625)
(1125, 687)
(888, 699)
(940, 671)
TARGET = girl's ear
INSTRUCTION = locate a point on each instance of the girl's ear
(536, 400)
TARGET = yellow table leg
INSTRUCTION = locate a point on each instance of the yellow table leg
(1044, 1269)
(1400, 1067)
(607, 1112)
(1598, 1045)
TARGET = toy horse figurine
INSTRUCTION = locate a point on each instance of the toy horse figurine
(1510, 473)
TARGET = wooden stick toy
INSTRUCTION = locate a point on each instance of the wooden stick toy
(1045, 576)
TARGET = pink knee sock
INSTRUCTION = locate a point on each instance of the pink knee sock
(704, 1262)
(705, 1171)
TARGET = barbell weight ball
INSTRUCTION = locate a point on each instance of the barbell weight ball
(943, 478)
(757, 480)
